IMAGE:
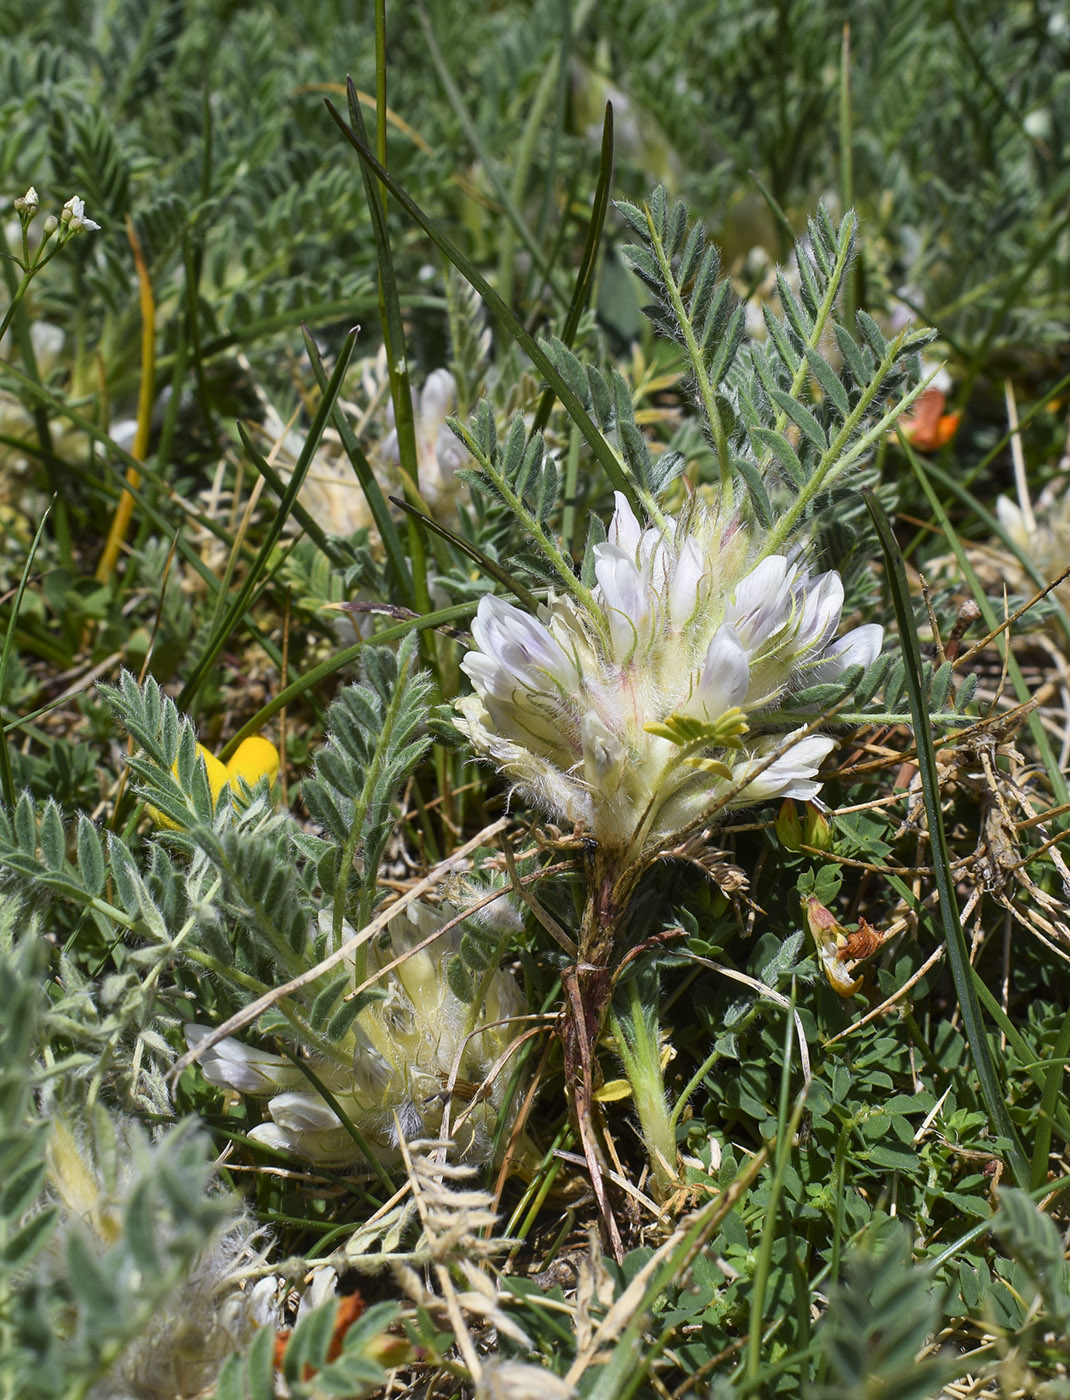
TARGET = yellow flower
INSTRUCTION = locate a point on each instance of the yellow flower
(253, 759)
(218, 777)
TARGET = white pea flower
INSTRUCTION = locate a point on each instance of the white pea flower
(304, 1124)
(232, 1065)
(639, 719)
(396, 1061)
(439, 452)
(1042, 533)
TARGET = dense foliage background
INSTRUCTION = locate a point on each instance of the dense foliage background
(826, 1094)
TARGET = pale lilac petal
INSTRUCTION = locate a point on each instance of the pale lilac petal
(791, 775)
(437, 399)
(1010, 516)
(624, 530)
(388, 448)
(725, 677)
(232, 1065)
(765, 580)
(523, 649)
(762, 601)
(858, 648)
(296, 1112)
(821, 609)
(625, 594)
(604, 756)
(450, 452)
(685, 583)
(488, 675)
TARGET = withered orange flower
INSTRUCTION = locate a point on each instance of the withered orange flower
(837, 946)
(929, 427)
(349, 1309)
(860, 944)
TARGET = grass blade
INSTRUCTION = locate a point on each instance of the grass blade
(957, 954)
(393, 334)
(486, 564)
(506, 198)
(5, 760)
(1021, 690)
(460, 612)
(584, 278)
(786, 1130)
(241, 599)
(1053, 1079)
(384, 521)
(629, 1362)
(601, 449)
(311, 526)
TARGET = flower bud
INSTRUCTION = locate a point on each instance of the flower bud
(27, 205)
(50, 225)
(817, 829)
(789, 828)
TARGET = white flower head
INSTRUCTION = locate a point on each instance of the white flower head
(27, 205)
(1041, 532)
(212, 1307)
(691, 634)
(396, 1062)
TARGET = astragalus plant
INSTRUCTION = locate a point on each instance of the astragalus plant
(688, 666)
(378, 1029)
(394, 1066)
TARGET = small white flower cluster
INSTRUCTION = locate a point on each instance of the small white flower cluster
(27, 205)
(686, 629)
(401, 1054)
(74, 219)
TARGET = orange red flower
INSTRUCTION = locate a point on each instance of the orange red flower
(929, 427)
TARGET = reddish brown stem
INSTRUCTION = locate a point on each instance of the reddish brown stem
(588, 987)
